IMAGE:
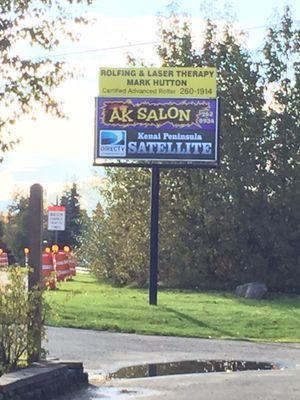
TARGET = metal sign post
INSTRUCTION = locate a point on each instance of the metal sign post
(154, 235)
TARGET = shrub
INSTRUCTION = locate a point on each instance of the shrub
(17, 330)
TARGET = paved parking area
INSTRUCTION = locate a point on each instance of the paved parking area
(104, 352)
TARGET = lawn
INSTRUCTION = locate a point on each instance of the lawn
(86, 303)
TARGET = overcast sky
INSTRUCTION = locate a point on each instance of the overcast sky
(54, 152)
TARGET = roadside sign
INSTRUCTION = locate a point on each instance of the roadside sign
(159, 131)
(157, 117)
(56, 218)
(170, 83)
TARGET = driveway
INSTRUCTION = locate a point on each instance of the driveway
(104, 352)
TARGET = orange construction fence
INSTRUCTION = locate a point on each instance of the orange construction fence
(49, 279)
(3, 259)
(57, 267)
(61, 265)
(72, 264)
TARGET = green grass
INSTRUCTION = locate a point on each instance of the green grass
(86, 303)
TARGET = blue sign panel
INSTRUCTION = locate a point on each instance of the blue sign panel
(148, 131)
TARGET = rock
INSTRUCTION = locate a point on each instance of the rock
(240, 290)
(252, 290)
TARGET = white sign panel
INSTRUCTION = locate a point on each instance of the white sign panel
(56, 218)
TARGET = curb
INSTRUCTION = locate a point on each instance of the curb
(43, 381)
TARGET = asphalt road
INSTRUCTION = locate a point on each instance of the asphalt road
(104, 352)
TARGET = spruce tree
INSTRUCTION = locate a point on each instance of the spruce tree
(74, 218)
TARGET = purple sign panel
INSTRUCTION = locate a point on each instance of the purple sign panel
(156, 130)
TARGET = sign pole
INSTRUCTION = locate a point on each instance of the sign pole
(154, 235)
(56, 232)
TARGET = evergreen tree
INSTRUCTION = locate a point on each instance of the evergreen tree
(74, 218)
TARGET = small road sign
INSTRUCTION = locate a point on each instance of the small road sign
(56, 218)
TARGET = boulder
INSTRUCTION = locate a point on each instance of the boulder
(252, 290)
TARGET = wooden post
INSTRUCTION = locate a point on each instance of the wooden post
(35, 262)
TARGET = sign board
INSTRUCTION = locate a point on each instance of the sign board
(170, 83)
(160, 131)
(56, 218)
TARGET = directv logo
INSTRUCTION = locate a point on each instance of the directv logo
(112, 143)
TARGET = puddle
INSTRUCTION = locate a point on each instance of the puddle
(108, 393)
(188, 367)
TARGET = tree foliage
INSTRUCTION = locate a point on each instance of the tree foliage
(31, 27)
(115, 242)
(16, 227)
(2, 244)
(239, 223)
